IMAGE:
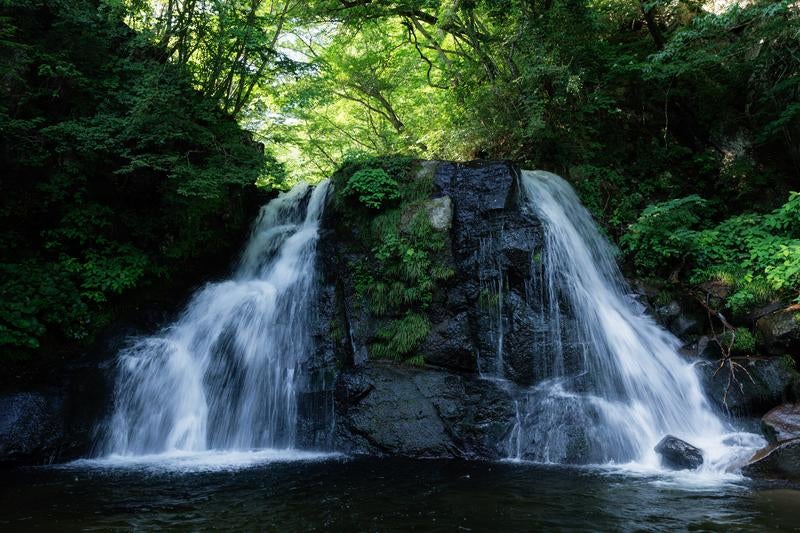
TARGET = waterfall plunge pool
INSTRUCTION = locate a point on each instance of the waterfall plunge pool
(300, 491)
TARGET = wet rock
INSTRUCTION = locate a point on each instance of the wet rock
(780, 331)
(416, 412)
(480, 191)
(717, 292)
(703, 347)
(682, 316)
(776, 462)
(449, 345)
(782, 423)
(521, 340)
(763, 384)
(31, 427)
(678, 454)
(520, 243)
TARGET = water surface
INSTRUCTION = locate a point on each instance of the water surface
(285, 492)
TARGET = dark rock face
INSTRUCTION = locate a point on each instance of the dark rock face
(682, 318)
(678, 454)
(448, 344)
(481, 322)
(780, 331)
(767, 383)
(493, 318)
(388, 409)
(782, 423)
(31, 427)
(495, 242)
(55, 424)
(781, 461)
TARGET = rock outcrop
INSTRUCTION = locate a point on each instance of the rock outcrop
(417, 412)
(782, 423)
(777, 462)
(760, 384)
(31, 427)
(780, 331)
(480, 323)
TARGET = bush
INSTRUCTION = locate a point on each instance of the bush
(663, 234)
(373, 187)
(758, 255)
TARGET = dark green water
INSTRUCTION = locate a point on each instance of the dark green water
(384, 495)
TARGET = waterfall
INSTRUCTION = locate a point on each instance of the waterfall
(225, 375)
(610, 381)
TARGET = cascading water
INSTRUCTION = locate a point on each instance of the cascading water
(610, 381)
(225, 375)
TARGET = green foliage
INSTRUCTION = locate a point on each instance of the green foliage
(744, 342)
(373, 187)
(118, 176)
(404, 255)
(663, 233)
(123, 176)
(401, 337)
(757, 255)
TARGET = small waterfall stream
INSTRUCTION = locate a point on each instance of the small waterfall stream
(224, 376)
(611, 382)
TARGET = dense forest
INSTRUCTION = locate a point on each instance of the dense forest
(137, 136)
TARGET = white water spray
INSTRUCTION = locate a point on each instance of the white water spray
(613, 384)
(225, 375)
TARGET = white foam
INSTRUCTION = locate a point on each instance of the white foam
(205, 461)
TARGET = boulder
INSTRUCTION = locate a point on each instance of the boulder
(766, 383)
(678, 454)
(782, 423)
(31, 427)
(780, 331)
(387, 409)
(776, 462)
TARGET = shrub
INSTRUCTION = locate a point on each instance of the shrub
(663, 233)
(758, 255)
(373, 187)
(744, 343)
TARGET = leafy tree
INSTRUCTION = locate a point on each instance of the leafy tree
(120, 180)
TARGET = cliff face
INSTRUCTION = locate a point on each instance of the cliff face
(487, 320)
(480, 322)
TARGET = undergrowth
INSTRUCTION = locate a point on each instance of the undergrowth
(382, 201)
(757, 255)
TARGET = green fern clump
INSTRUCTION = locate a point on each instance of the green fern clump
(400, 338)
